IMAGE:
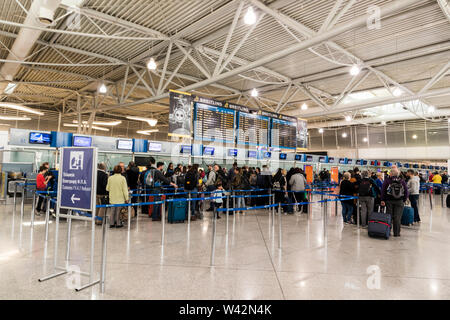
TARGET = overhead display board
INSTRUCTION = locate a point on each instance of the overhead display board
(212, 121)
(252, 129)
(180, 114)
(284, 133)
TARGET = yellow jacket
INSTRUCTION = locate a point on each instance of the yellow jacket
(437, 179)
(117, 188)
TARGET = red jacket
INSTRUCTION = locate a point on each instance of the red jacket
(40, 182)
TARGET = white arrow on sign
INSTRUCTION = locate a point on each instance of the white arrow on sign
(73, 198)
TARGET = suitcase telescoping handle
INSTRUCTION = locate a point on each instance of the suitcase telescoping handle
(382, 209)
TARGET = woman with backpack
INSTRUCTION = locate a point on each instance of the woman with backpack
(190, 185)
(367, 192)
(280, 186)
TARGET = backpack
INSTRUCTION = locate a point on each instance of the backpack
(180, 180)
(150, 179)
(245, 183)
(365, 188)
(224, 179)
(190, 181)
(395, 189)
(277, 184)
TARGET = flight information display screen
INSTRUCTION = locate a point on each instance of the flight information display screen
(284, 134)
(214, 123)
(252, 129)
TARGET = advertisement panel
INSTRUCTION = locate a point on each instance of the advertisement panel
(180, 114)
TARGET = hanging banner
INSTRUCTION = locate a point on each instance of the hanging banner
(180, 114)
(302, 135)
(77, 183)
(309, 174)
(334, 174)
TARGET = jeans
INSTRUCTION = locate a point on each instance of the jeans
(210, 189)
(347, 211)
(366, 208)
(42, 204)
(240, 203)
(414, 198)
(395, 209)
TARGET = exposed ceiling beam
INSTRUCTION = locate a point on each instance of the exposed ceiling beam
(386, 10)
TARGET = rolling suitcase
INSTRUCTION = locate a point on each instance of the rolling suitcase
(150, 207)
(407, 216)
(379, 225)
(177, 212)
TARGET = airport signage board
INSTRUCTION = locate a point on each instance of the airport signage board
(77, 183)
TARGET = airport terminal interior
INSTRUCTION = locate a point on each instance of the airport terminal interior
(224, 150)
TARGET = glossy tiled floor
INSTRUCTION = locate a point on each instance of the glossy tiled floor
(248, 263)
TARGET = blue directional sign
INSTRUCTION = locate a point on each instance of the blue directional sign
(77, 178)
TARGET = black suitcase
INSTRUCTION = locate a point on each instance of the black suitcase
(447, 200)
(380, 225)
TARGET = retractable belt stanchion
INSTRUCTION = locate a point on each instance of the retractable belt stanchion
(104, 237)
(213, 242)
(442, 196)
(234, 202)
(228, 208)
(129, 217)
(163, 221)
(336, 208)
(431, 197)
(189, 209)
(33, 208)
(15, 197)
(69, 235)
(47, 218)
(325, 217)
(279, 225)
(357, 213)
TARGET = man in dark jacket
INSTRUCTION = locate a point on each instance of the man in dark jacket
(132, 175)
(102, 194)
(158, 181)
(394, 194)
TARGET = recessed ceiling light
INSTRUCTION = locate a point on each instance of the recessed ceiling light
(414, 136)
(397, 92)
(344, 135)
(151, 122)
(151, 65)
(431, 109)
(20, 108)
(348, 118)
(354, 70)
(250, 16)
(365, 139)
(320, 130)
(14, 118)
(304, 106)
(254, 92)
(102, 89)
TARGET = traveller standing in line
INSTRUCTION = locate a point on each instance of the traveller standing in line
(219, 192)
(41, 185)
(118, 194)
(190, 185)
(394, 195)
(102, 193)
(132, 175)
(367, 193)
(414, 190)
(236, 185)
(210, 181)
(154, 179)
(298, 185)
(170, 171)
(379, 183)
(346, 188)
(280, 186)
